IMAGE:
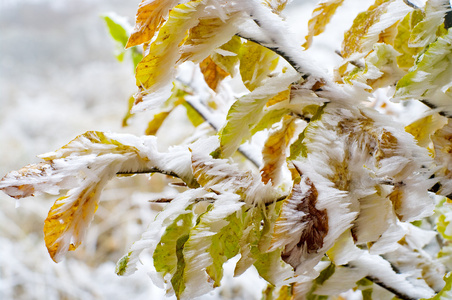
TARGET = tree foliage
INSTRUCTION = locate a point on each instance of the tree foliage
(305, 176)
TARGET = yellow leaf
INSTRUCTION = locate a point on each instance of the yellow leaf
(256, 62)
(402, 40)
(151, 15)
(156, 122)
(280, 97)
(213, 74)
(321, 16)
(274, 152)
(353, 38)
(277, 6)
(157, 65)
(208, 34)
(229, 57)
(424, 128)
(68, 219)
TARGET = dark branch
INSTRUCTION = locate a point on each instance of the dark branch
(150, 170)
(411, 4)
(399, 294)
(214, 126)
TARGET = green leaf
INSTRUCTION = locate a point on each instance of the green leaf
(429, 79)
(248, 110)
(324, 275)
(117, 29)
(165, 254)
(402, 40)
(177, 280)
(269, 118)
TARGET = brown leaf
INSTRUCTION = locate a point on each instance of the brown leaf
(301, 225)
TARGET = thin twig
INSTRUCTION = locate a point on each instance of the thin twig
(411, 4)
(399, 294)
(205, 114)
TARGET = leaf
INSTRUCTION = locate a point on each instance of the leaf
(165, 255)
(247, 111)
(213, 74)
(227, 56)
(367, 26)
(425, 127)
(156, 70)
(208, 34)
(300, 228)
(277, 6)
(212, 242)
(424, 32)
(402, 41)
(118, 29)
(156, 122)
(172, 46)
(442, 146)
(83, 167)
(219, 176)
(274, 151)
(380, 68)
(256, 62)
(446, 292)
(429, 79)
(150, 17)
(270, 117)
(321, 16)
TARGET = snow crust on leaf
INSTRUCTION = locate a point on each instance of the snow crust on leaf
(274, 151)
(356, 160)
(429, 79)
(424, 32)
(150, 16)
(205, 251)
(83, 167)
(368, 26)
(247, 111)
(360, 264)
(221, 176)
(312, 218)
(442, 145)
(151, 238)
(321, 16)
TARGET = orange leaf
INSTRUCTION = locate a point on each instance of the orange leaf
(213, 74)
(274, 152)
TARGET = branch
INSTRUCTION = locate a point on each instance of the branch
(207, 116)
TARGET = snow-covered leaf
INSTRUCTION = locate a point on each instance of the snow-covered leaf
(151, 15)
(274, 151)
(321, 16)
(83, 167)
(256, 62)
(429, 79)
(408, 53)
(248, 110)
